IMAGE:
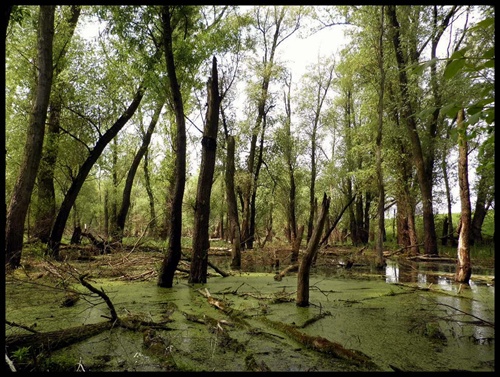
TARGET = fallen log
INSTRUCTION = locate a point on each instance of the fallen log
(291, 268)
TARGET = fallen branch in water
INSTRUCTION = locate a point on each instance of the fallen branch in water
(291, 268)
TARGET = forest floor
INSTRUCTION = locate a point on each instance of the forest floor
(248, 321)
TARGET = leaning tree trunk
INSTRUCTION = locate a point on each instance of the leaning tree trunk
(122, 214)
(20, 199)
(171, 260)
(464, 269)
(201, 244)
(72, 194)
(312, 249)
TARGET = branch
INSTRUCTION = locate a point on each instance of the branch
(325, 238)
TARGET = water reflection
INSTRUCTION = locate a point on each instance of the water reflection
(425, 273)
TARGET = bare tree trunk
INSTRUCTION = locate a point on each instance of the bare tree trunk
(201, 244)
(312, 248)
(20, 199)
(127, 191)
(171, 260)
(464, 269)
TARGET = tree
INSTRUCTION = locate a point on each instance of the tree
(20, 199)
(199, 259)
(46, 203)
(379, 245)
(173, 256)
(485, 190)
(407, 112)
(317, 85)
(232, 204)
(464, 268)
(274, 25)
(73, 191)
(125, 205)
(312, 249)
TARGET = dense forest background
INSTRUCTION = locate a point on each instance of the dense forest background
(112, 113)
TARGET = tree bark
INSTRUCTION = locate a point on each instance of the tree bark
(171, 260)
(122, 214)
(201, 244)
(464, 269)
(312, 248)
(72, 194)
(20, 199)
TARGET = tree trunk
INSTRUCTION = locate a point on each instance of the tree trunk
(464, 269)
(20, 199)
(407, 112)
(312, 249)
(122, 214)
(379, 244)
(201, 244)
(72, 194)
(46, 203)
(444, 167)
(149, 190)
(232, 207)
(296, 244)
(484, 199)
(171, 260)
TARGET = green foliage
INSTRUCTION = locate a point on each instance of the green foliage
(21, 355)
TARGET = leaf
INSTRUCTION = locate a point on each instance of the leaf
(474, 118)
(484, 24)
(450, 110)
(453, 67)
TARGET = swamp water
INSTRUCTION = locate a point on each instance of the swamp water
(410, 317)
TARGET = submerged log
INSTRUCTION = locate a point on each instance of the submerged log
(323, 345)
